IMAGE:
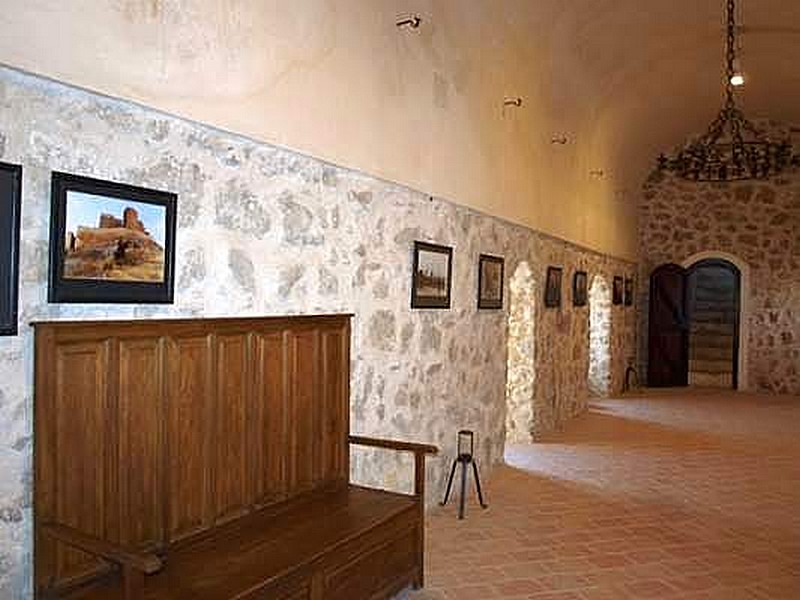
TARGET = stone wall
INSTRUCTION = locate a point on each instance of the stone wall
(756, 222)
(264, 231)
(599, 337)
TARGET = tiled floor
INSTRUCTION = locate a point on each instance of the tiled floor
(669, 495)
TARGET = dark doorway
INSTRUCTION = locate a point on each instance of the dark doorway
(713, 289)
(668, 357)
(694, 325)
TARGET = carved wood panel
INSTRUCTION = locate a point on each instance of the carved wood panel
(150, 432)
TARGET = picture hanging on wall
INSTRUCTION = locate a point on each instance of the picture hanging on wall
(616, 292)
(552, 287)
(629, 291)
(431, 277)
(110, 242)
(579, 289)
(490, 281)
(10, 206)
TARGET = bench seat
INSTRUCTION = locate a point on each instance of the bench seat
(340, 543)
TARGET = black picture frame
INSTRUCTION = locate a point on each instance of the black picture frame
(427, 273)
(10, 209)
(628, 296)
(616, 292)
(135, 267)
(580, 290)
(552, 287)
(490, 281)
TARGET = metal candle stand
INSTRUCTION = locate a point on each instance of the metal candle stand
(466, 448)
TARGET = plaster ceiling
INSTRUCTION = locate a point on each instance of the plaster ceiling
(636, 77)
(622, 79)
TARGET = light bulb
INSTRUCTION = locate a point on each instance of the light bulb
(737, 79)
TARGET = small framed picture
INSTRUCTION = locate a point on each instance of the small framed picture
(616, 292)
(579, 289)
(10, 205)
(431, 277)
(628, 291)
(490, 281)
(110, 242)
(552, 287)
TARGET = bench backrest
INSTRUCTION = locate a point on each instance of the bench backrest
(149, 432)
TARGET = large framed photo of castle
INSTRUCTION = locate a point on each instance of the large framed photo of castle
(432, 275)
(110, 242)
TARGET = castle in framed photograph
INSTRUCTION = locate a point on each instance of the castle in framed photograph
(110, 242)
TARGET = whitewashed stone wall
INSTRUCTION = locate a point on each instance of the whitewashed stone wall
(758, 222)
(264, 231)
(599, 337)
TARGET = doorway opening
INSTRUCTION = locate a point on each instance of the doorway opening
(520, 372)
(694, 324)
(712, 304)
(599, 376)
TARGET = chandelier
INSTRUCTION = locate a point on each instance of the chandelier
(732, 149)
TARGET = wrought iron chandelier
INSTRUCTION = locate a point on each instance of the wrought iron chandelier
(732, 149)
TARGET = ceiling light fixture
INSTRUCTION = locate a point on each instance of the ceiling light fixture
(732, 149)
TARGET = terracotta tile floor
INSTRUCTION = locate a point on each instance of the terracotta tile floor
(669, 495)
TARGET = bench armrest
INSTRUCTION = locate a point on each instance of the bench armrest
(393, 445)
(134, 565)
(419, 450)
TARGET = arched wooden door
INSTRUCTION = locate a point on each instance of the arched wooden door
(668, 358)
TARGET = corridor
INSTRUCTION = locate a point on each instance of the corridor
(669, 495)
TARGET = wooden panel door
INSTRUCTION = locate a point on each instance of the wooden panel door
(668, 358)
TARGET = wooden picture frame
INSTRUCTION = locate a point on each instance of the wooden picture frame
(580, 290)
(628, 295)
(10, 209)
(110, 242)
(431, 277)
(490, 281)
(616, 292)
(552, 287)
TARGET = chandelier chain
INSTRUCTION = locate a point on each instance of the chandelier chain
(732, 149)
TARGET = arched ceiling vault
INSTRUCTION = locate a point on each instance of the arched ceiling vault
(650, 74)
(622, 79)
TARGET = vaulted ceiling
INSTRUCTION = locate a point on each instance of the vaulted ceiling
(621, 79)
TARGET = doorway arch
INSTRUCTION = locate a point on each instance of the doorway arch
(599, 375)
(520, 371)
(697, 322)
(745, 278)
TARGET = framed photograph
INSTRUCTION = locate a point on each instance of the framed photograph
(579, 289)
(616, 292)
(10, 207)
(110, 242)
(490, 281)
(552, 287)
(628, 300)
(431, 278)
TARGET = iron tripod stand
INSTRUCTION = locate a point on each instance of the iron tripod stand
(464, 459)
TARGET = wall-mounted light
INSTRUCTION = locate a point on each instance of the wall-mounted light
(512, 101)
(412, 21)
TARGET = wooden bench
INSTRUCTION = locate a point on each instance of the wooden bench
(209, 460)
